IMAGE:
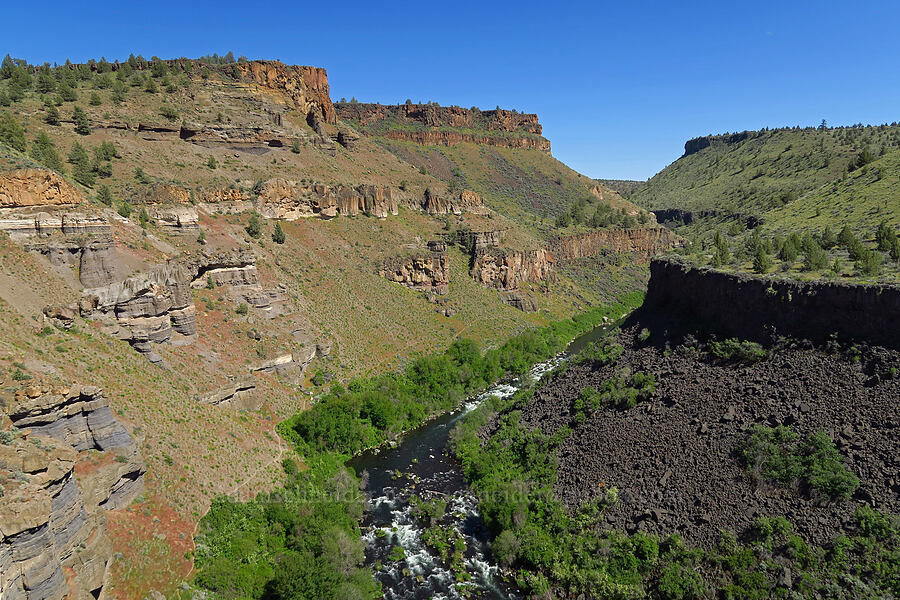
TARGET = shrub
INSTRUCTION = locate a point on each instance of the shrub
(254, 227)
(104, 195)
(736, 350)
(781, 455)
(168, 112)
(95, 99)
(278, 234)
(603, 352)
(124, 209)
(242, 308)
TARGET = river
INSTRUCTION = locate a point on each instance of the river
(421, 465)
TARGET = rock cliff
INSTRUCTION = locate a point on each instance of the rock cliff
(305, 87)
(507, 270)
(465, 201)
(281, 199)
(149, 308)
(35, 187)
(644, 242)
(760, 308)
(427, 272)
(433, 125)
(53, 542)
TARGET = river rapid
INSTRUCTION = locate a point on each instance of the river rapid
(421, 465)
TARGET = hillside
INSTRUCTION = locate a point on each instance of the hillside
(750, 173)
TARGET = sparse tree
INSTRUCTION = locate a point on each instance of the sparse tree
(82, 126)
(278, 235)
(11, 132)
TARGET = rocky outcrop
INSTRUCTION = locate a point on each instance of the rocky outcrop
(306, 88)
(424, 272)
(36, 187)
(237, 394)
(464, 201)
(697, 144)
(432, 115)
(507, 270)
(20, 226)
(522, 301)
(176, 219)
(433, 125)
(645, 242)
(473, 241)
(678, 216)
(759, 308)
(94, 258)
(53, 542)
(149, 308)
(290, 200)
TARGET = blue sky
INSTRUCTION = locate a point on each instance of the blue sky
(618, 86)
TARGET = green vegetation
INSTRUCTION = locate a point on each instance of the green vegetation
(301, 541)
(557, 551)
(369, 412)
(758, 171)
(278, 235)
(254, 226)
(781, 455)
(734, 350)
(11, 133)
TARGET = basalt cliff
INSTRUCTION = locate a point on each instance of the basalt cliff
(433, 125)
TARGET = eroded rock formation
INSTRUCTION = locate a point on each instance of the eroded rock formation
(305, 87)
(291, 200)
(35, 187)
(427, 272)
(457, 204)
(645, 242)
(149, 308)
(507, 270)
(53, 542)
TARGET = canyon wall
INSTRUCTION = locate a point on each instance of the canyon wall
(761, 308)
(645, 242)
(282, 199)
(507, 270)
(35, 187)
(433, 125)
(53, 541)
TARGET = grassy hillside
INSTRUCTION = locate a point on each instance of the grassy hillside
(766, 170)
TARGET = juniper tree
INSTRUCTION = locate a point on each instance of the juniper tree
(82, 126)
(11, 132)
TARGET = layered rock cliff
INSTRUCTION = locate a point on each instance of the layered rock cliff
(427, 272)
(151, 307)
(305, 87)
(507, 270)
(456, 204)
(644, 242)
(53, 542)
(282, 199)
(761, 308)
(433, 125)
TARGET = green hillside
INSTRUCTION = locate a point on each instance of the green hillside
(755, 172)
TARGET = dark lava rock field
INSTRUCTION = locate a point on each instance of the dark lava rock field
(674, 458)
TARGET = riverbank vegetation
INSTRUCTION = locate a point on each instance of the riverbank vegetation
(303, 541)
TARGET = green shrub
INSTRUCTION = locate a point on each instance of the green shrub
(780, 455)
(242, 308)
(254, 226)
(278, 235)
(736, 350)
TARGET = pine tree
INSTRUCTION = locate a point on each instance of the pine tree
(4, 99)
(11, 132)
(82, 169)
(82, 126)
(104, 195)
(95, 99)
(52, 116)
(67, 93)
(44, 152)
(254, 227)
(761, 261)
(278, 235)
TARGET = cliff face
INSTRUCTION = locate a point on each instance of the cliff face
(434, 125)
(53, 540)
(305, 87)
(507, 270)
(699, 143)
(291, 200)
(465, 201)
(35, 187)
(424, 272)
(150, 308)
(758, 308)
(645, 242)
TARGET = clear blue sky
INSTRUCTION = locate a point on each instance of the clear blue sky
(619, 86)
